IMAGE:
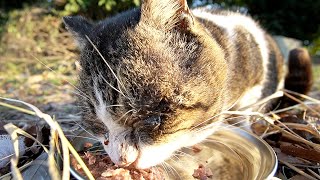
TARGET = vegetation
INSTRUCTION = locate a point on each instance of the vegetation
(97, 9)
(292, 18)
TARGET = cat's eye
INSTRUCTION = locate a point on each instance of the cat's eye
(153, 121)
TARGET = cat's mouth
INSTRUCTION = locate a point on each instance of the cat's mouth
(124, 151)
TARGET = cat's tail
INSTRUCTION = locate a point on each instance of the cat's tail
(299, 77)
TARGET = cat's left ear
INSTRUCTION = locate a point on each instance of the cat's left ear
(167, 14)
(79, 28)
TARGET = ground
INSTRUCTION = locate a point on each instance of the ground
(38, 62)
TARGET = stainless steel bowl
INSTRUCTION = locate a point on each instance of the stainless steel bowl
(231, 153)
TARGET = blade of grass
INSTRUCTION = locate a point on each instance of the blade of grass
(22, 132)
(64, 141)
(52, 166)
(17, 108)
(20, 168)
(14, 159)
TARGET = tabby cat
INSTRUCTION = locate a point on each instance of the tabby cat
(159, 77)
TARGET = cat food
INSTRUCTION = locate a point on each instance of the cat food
(196, 148)
(102, 168)
(202, 173)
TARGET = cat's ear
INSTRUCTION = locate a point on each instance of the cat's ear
(79, 28)
(167, 14)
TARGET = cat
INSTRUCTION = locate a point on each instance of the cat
(157, 78)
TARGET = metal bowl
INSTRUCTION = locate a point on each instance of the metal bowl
(231, 153)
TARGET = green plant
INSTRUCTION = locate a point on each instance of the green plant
(97, 9)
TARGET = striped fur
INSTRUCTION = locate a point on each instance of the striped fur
(157, 78)
(247, 48)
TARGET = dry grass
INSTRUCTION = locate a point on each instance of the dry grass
(58, 139)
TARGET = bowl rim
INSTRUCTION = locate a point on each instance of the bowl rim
(250, 135)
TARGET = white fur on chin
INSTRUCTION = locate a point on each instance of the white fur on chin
(151, 155)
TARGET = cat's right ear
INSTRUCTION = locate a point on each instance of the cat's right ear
(79, 28)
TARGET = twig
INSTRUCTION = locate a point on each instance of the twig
(313, 173)
(302, 103)
(297, 170)
(304, 127)
(303, 96)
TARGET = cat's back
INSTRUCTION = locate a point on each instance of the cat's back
(255, 65)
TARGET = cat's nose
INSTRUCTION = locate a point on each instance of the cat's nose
(121, 151)
(122, 154)
(127, 155)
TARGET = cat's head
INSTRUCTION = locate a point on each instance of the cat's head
(151, 79)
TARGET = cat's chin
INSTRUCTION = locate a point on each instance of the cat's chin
(153, 155)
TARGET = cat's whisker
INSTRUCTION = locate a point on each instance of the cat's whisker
(84, 97)
(172, 169)
(84, 137)
(240, 114)
(239, 120)
(182, 153)
(124, 115)
(113, 73)
(115, 105)
(214, 124)
(155, 169)
(236, 127)
(86, 130)
(118, 90)
(125, 89)
(234, 117)
(178, 161)
(226, 126)
(85, 107)
(109, 106)
(221, 113)
(125, 121)
(83, 94)
(205, 121)
(164, 168)
(186, 154)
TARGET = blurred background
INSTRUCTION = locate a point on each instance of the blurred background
(38, 56)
